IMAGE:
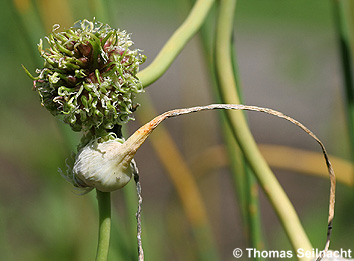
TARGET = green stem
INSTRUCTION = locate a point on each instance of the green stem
(244, 180)
(104, 229)
(250, 182)
(176, 43)
(347, 66)
(265, 176)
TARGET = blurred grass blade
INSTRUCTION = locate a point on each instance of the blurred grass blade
(280, 157)
(55, 12)
(307, 162)
(176, 43)
(341, 18)
(30, 24)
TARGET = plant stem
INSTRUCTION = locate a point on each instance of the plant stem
(104, 229)
(176, 43)
(250, 182)
(266, 178)
(347, 65)
(244, 180)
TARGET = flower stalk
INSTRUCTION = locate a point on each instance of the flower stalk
(176, 43)
(104, 231)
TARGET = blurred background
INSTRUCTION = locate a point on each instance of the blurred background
(288, 59)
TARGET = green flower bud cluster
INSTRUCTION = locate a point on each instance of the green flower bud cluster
(89, 76)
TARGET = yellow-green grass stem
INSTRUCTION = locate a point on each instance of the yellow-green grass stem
(250, 183)
(176, 43)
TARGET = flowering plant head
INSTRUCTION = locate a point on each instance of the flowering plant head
(89, 75)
